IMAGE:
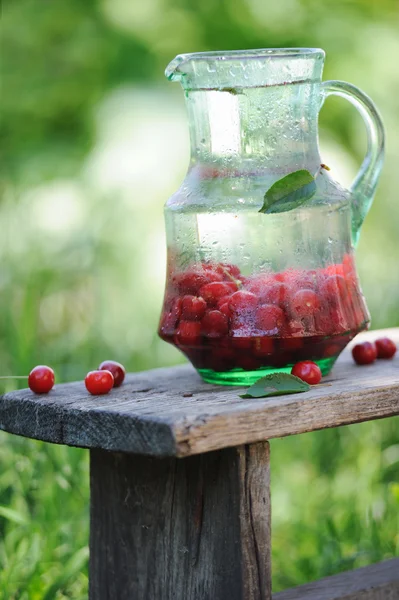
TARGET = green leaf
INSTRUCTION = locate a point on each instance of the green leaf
(12, 515)
(276, 384)
(289, 193)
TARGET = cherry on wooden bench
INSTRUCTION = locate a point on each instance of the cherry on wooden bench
(180, 481)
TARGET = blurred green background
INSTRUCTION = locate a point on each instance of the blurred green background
(93, 141)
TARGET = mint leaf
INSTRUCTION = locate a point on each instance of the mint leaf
(290, 192)
(276, 384)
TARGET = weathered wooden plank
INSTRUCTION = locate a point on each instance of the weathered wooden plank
(192, 529)
(375, 582)
(171, 412)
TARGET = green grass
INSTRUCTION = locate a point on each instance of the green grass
(335, 500)
(44, 499)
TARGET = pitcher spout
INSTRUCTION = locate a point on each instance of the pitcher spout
(174, 70)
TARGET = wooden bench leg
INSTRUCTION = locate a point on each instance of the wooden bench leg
(196, 528)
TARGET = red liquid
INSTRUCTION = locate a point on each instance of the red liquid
(270, 320)
(251, 354)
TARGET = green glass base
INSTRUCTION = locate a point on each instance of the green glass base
(245, 378)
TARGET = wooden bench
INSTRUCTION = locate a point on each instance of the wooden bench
(180, 480)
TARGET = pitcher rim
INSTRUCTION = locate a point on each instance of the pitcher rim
(221, 55)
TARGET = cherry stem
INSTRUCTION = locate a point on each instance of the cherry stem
(238, 282)
(13, 377)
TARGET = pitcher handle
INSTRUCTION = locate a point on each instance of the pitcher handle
(364, 185)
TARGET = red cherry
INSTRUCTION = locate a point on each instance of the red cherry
(270, 318)
(335, 270)
(348, 267)
(323, 322)
(188, 333)
(189, 282)
(99, 382)
(306, 280)
(279, 277)
(242, 302)
(209, 266)
(335, 288)
(339, 321)
(226, 270)
(365, 353)
(212, 292)
(41, 379)
(170, 317)
(222, 301)
(307, 371)
(291, 275)
(118, 371)
(258, 285)
(193, 308)
(305, 303)
(223, 271)
(330, 320)
(224, 308)
(275, 294)
(295, 328)
(215, 324)
(358, 311)
(386, 348)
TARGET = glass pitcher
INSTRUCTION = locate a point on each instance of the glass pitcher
(260, 270)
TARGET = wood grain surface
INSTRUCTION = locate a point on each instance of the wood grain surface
(172, 412)
(169, 529)
(376, 582)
